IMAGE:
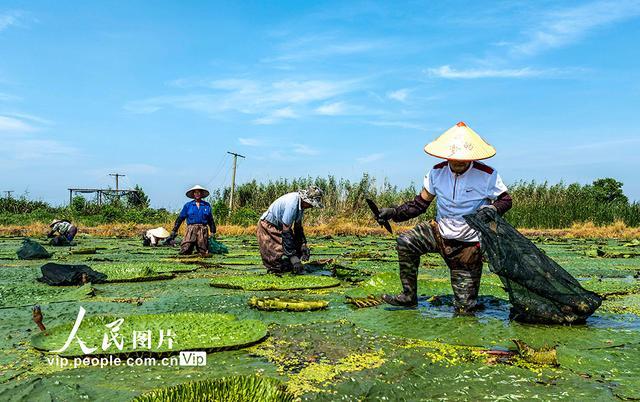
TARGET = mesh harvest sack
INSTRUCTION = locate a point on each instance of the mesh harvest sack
(215, 247)
(31, 250)
(540, 290)
(69, 275)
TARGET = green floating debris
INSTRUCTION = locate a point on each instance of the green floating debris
(131, 273)
(605, 252)
(274, 282)
(188, 331)
(83, 251)
(287, 304)
(544, 356)
(361, 302)
(81, 293)
(228, 389)
(147, 266)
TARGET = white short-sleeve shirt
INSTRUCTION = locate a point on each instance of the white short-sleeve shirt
(461, 194)
(285, 210)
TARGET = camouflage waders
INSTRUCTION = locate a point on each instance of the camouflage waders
(197, 237)
(464, 260)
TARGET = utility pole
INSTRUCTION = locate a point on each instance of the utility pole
(233, 178)
(116, 175)
(8, 192)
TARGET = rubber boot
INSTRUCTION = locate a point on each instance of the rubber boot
(465, 285)
(409, 295)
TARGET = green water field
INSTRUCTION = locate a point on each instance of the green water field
(336, 353)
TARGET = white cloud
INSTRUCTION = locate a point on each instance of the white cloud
(370, 158)
(400, 124)
(302, 149)
(20, 144)
(323, 46)
(447, 72)
(9, 19)
(331, 109)
(270, 101)
(562, 27)
(276, 116)
(10, 124)
(250, 142)
(400, 95)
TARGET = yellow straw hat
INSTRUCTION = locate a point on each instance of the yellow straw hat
(160, 232)
(461, 143)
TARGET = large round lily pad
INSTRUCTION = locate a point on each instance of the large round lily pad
(228, 389)
(131, 273)
(273, 282)
(189, 331)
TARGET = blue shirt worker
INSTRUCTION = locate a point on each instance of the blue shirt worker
(283, 245)
(199, 222)
(62, 232)
(461, 185)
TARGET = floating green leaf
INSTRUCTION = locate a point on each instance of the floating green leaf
(274, 282)
(191, 331)
(131, 273)
(287, 303)
(228, 389)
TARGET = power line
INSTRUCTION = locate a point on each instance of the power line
(233, 178)
(116, 175)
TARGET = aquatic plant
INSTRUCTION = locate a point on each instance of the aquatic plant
(83, 251)
(317, 374)
(227, 389)
(188, 331)
(287, 303)
(544, 356)
(131, 273)
(360, 302)
(273, 282)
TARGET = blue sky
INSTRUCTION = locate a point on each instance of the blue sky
(161, 90)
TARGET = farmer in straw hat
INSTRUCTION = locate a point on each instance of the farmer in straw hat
(152, 236)
(280, 234)
(461, 186)
(62, 232)
(199, 222)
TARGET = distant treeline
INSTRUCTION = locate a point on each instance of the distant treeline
(535, 205)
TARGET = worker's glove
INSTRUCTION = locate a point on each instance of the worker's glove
(298, 268)
(386, 214)
(306, 253)
(488, 206)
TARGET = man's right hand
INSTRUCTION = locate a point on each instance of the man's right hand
(386, 214)
(298, 268)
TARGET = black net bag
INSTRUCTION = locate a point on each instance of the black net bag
(540, 290)
(69, 275)
(31, 250)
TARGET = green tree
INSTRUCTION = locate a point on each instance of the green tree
(608, 190)
(138, 199)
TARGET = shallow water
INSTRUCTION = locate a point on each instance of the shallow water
(376, 353)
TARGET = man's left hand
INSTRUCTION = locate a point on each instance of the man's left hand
(306, 253)
(490, 206)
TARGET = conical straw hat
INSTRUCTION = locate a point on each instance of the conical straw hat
(461, 143)
(160, 233)
(204, 191)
